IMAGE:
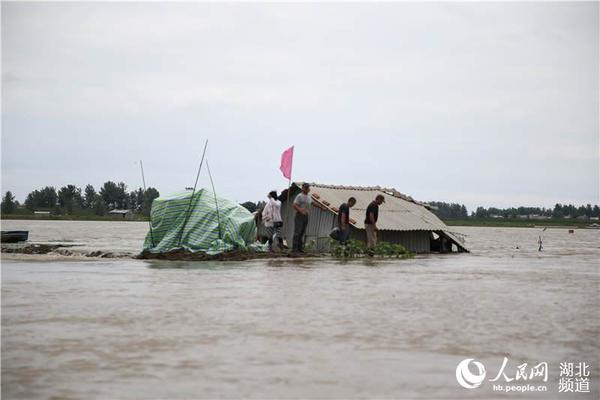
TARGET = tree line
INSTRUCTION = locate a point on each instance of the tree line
(70, 199)
(252, 207)
(448, 210)
(445, 210)
(558, 211)
(458, 211)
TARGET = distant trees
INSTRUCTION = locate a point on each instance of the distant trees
(559, 211)
(455, 210)
(481, 212)
(46, 198)
(89, 196)
(8, 203)
(252, 207)
(115, 195)
(70, 200)
(149, 195)
(98, 205)
(449, 210)
(570, 211)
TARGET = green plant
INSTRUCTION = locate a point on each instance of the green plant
(310, 246)
(386, 249)
(353, 248)
(356, 248)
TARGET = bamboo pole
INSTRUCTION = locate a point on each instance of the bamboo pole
(143, 200)
(187, 213)
(215, 194)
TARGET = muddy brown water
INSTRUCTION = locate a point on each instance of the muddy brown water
(131, 329)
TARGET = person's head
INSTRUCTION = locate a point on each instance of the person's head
(272, 195)
(305, 188)
(379, 199)
(351, 202)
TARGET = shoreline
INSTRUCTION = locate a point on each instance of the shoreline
(525, 223)
(17, 217)
(60, 252)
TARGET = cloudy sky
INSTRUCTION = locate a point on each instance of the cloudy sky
(492, 104)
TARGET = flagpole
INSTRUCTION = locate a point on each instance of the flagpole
(290, 178)
(289, 189)
(287, 162)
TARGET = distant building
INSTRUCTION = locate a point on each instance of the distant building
(532, 216)
(537, 216)
(401, 219)
(123, 213)
(41, 213)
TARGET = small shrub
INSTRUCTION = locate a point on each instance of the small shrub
(356, 248)
(353, 248)
(310, 246)
(385, 249)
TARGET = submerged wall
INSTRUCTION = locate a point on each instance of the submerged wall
(321, 222)
(415, 241)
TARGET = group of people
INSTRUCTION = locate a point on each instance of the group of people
(271, 217)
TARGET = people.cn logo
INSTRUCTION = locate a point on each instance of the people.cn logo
(466, 378)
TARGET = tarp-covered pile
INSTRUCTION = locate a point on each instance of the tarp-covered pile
(211, 227)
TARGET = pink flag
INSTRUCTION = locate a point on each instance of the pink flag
(286, 162)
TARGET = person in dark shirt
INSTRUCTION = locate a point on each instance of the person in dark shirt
(371, 221)
(343, 220)
(301, 205)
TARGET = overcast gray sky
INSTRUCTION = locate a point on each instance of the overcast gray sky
(493, 104)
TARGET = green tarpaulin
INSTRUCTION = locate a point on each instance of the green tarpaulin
(202, 231)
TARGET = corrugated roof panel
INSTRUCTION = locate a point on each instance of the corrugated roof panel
(395, 214)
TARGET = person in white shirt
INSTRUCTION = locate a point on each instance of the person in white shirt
(272, 219)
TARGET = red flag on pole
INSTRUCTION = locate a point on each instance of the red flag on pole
(286, 162)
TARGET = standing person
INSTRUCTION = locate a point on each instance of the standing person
(371, 222)
(267, 219)
(277, 220)
(301, 204)
(344, 219)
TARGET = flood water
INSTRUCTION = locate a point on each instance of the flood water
(132, 329)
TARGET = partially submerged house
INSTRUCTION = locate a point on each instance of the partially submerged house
(401, 219)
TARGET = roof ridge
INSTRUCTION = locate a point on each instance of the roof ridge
(391, 191)
(344, 187)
